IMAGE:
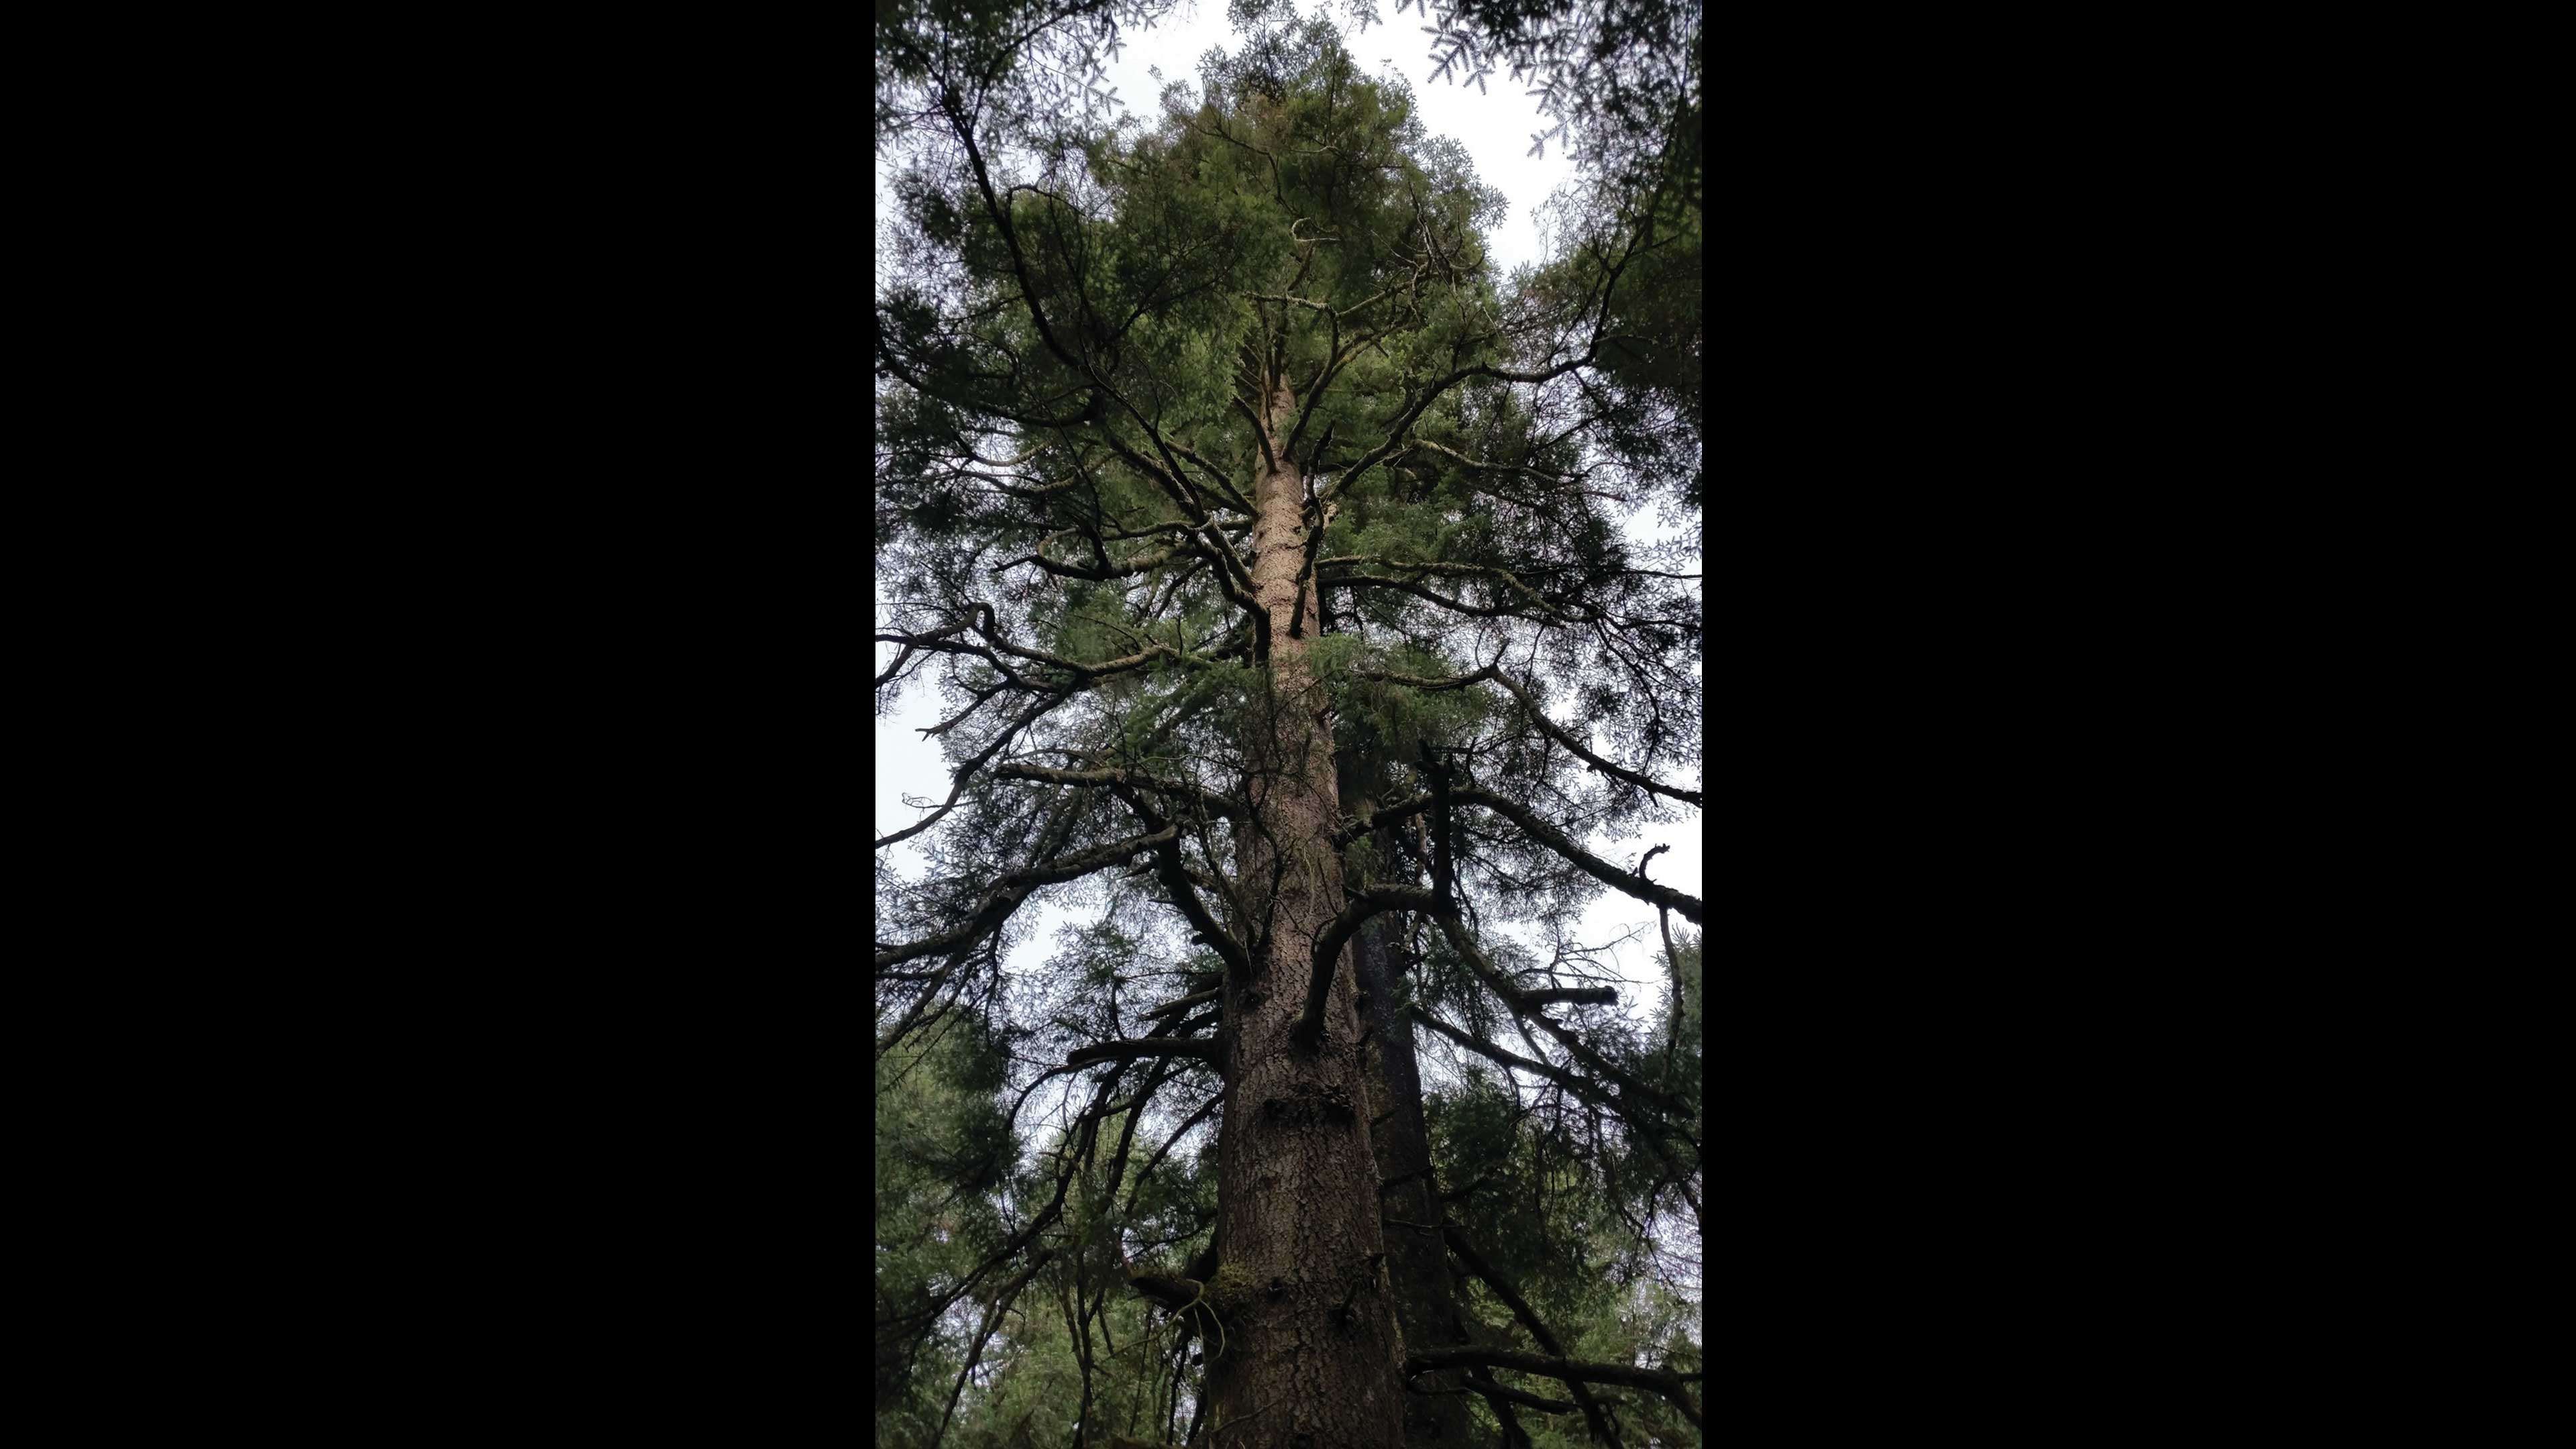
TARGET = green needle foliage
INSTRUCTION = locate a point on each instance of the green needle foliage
(1219, 472)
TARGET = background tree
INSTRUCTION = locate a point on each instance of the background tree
(1250, 530)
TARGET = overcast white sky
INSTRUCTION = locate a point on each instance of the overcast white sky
(1496, 129)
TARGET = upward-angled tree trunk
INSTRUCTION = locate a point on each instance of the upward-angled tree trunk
(1426, 1306)
(1311, 1357)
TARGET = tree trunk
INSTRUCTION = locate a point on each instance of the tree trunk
(1426, 1305)
(1311, 1356)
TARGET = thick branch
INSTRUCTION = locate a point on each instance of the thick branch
(1573, 995)
(1127, 1051)
(1395, 436)
(1354, 827)
(1010, 238)
(1592, 865)
(1175, 1008)
(1175, 877)
(1572, 1371)
(1173, 1293)
(1232, 579)
(921, 385)
(1367, 902)
(1492, 1390)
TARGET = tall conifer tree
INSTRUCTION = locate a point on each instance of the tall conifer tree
(1267, 550)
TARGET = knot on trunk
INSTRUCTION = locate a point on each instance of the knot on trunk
(1311, 1105)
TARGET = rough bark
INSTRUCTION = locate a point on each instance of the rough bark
(1425, 1301)
(1313, 1358)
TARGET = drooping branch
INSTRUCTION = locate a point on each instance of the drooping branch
(1396, 439)
(1397, 435)
(921, 384)
(927, 1006)
(1083, 672)
(910, 642)
(965, 132)
(1481, 464)
(942, 641)
(1232, 578)
(1645, 1123)
(953, 721)
(1029, 1231)
(1214, 477)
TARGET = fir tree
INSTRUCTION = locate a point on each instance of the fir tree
(1267, 550)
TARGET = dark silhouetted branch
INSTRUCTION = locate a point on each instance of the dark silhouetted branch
(1158, 1046)
(1592, 865)
(1330, 941)
(1572, 995)
(1572, 1371)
